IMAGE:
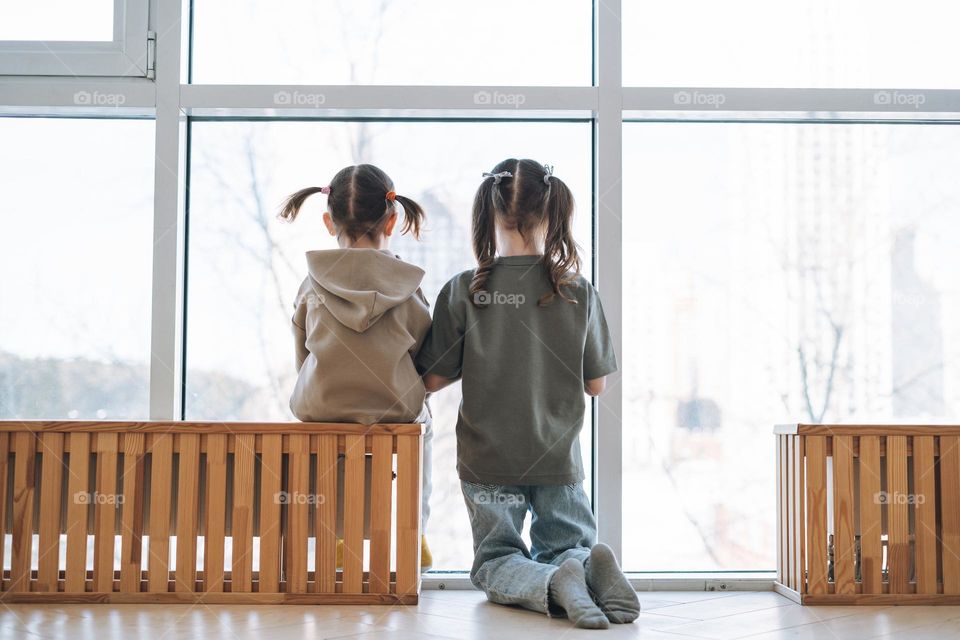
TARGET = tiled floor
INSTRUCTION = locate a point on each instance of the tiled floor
(464, 614)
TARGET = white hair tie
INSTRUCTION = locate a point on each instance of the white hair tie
(497, 177)
(548, 173)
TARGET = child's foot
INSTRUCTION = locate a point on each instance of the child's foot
(611, 589)
(426, 558)
(568, 589)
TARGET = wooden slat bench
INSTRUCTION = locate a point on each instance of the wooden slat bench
(171, 490)
(868, 514)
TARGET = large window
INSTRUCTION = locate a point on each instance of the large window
(394, 42)
(818, 43)
(810, 276)
(75, 251)
(69, 38)
(245, 266)
(766, 201)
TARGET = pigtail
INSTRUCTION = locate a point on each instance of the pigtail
(560, 252)
(484, 240)
(413, 215)
(291, 206)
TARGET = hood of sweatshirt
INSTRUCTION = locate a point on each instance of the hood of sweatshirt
(357, 286)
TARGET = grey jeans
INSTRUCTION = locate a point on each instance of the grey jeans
(562, 527)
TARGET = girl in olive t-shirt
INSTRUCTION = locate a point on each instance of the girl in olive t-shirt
(525, 333)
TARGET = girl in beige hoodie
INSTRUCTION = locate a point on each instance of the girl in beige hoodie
(360, 316)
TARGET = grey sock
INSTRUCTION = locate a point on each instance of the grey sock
(610, 588)
(568, 589)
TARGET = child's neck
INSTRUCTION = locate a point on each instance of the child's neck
(382, 241)
(511, 243)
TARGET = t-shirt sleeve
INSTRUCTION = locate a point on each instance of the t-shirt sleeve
(599, 358)
(442, 351)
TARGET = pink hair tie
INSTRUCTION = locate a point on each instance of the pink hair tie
(391, 195)
(325, 191)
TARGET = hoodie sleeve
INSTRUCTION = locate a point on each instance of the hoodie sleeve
(298, 325)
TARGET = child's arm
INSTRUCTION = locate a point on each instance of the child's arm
(596, 386)
(440, 360)
(432, 382)
(298, 325)
(599, 359)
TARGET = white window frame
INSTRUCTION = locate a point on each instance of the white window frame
(127, 55)
(172, 101)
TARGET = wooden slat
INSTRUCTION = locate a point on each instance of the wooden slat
(215, 512)
(381, 499)
(925, 529)
(105, 511)
(950, 514)
(244, 459)
(51, 477)
(131, 534)
(241, 599)
(779, 455)
(25, 447)
(816, 514)
(799, 534)
(203, 427)
(408, 514)
(844, 551)
(871, 549)
(271, 468)
(325, 526)
(353, 498)
(4, 461)
(188, 511)
(898, 533)
(161, 478)
(878, 429)
(790, 554)
(77, 513)
(298, 506)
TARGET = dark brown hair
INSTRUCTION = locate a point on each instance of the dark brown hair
(359, 203)
(527, 200)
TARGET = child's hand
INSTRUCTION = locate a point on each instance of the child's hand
(596, 386)
(432, 382)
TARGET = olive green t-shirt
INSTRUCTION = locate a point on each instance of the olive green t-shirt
(523, 368)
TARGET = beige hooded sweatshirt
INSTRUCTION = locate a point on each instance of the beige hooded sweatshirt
(358, 323)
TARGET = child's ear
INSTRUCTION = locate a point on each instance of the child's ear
(391, 223)
(328, 221)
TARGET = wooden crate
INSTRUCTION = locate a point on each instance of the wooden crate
(868, 514)
(161, 493)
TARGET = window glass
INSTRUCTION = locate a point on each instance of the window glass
(75, 268)
(245, 266)
(774, 273)
(497, 42)
(90, 20)
(821, 43)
